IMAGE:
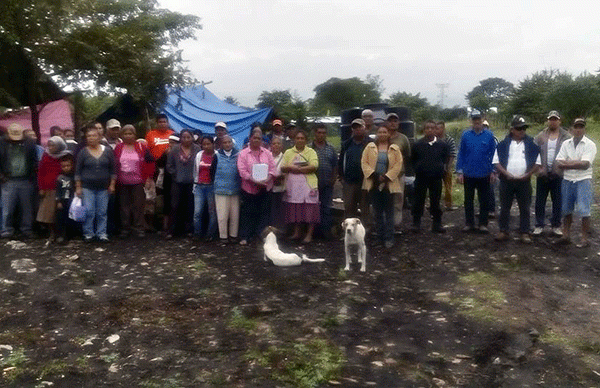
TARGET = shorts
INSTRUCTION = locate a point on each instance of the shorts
(577, 196)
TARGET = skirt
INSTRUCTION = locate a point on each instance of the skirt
(302, 212)
(47, 210)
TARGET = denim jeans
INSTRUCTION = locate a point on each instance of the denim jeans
(548, 184)
(383, 205)
(17, 192)
(96, 213)
(204, 194)
(482, 185)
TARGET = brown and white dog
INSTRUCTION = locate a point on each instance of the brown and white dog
(279, 258)
(354, 240)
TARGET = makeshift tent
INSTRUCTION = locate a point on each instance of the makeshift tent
(51, 114)
(197, 108)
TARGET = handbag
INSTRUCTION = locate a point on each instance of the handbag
(76, 210)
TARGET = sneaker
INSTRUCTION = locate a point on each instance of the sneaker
(483, 229)
(525, 238)
(243, 242)
(557, 232)
(103, 239)
(88, 239)
(468, 229)
(538, 231)
(502, 236)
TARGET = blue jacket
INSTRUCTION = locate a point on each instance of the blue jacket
(226, 176)
(476, 153)
(531, 152)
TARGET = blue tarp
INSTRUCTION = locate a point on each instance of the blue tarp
(197, 108)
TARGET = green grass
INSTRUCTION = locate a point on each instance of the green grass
(303, 365)
(238, 321)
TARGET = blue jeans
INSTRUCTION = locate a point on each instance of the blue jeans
(17, 192)
(96, 210)
(204, 194)
(383, 204)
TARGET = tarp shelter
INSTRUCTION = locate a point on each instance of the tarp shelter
(198, 108)
(51, 114)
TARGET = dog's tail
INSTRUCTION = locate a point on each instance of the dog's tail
(305, 258)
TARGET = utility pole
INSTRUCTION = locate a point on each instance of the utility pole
(442, 94)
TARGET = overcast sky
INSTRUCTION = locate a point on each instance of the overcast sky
(246, 47)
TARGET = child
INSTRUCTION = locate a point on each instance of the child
(49, 169)
(65, 190)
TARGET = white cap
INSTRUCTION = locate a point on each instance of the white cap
(221, 124)
(113, 123)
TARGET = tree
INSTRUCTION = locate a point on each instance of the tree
(336, 94)
(231, 100)
(275, 99)
(419, 106)
(491, 92)
(579, 97)
(285, 105)
(117, 45)
(529, 96)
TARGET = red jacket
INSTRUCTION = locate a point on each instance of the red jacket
(48, 171)
(148, 162)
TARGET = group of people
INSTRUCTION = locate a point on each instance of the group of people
(213, 189)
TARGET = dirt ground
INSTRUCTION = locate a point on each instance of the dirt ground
(451, 310)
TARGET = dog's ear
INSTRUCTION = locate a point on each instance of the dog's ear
(357, 222)
(343, 224)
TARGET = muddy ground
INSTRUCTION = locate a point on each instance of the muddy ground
(451, 310)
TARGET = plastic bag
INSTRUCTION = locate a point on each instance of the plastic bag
(76, 210)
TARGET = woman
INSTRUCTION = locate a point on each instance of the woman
(135, 168)
(95, 179)
(204, 189)
(227, 189)
(301, 187)
(48, 170)
(381, 164)
(257, 169)
(180, 164)
(277, 209)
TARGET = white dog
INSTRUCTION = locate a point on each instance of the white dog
(354, 239)
(279, 258)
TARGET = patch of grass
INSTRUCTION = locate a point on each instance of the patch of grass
(199, 266)
(343, 275)
(330, 321)
(110, 358)
(14, 365)
(238, 321)
(169, 382)
(53, 367)
(303, 365)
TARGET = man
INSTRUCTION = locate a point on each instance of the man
(327, 175)
(220, 133)
(158, 145)
(440, 134)
(158, 139)
(113, 130)
(400, 139)
(290, 134)
(350, 171)
(18, 168)
(474, 168)
(575, 158)
(430, 157)
(276, 130)
(549, 179)
(369, 119)
(516, 158)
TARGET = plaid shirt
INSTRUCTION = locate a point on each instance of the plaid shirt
(328, 160)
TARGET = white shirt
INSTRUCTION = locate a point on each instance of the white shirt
(585, 151)
(551, 151)
(517, 162)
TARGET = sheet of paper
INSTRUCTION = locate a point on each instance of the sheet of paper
(260, 171)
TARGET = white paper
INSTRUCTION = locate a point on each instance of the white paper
(260, 172)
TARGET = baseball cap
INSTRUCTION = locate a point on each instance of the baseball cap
(475, 114)
(390, 115)
(113, 123)
(519, 122)
(277, 122)
(15, 132)
(221, 125)
(579, 120)
(553, 113)
(360, 122)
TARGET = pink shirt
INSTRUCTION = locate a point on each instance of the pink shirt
(130, 172)
(246, 159)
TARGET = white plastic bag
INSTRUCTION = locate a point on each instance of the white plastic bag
(76, 210)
